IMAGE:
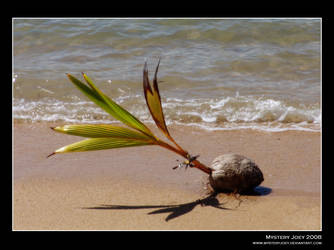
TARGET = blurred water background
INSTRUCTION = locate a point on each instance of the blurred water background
(214, 73)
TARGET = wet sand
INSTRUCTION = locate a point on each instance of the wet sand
(136, 188)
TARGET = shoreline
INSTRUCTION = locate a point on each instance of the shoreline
(100, 190)
(270, 127)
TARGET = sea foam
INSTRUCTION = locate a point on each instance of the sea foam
(227, 113)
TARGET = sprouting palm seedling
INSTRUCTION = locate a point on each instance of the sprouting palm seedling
(106, 136)
(229, 172)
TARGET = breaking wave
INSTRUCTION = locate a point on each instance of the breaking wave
(237, 112)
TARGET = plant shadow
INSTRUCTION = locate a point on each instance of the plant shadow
(173, 210)
(184, 208)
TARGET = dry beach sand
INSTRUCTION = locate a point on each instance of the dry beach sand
(136, 188)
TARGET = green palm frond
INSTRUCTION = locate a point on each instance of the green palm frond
(101, 130)
(118, 112)
(102, 143)
(106, 136)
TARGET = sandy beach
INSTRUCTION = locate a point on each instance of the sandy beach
(136, 188)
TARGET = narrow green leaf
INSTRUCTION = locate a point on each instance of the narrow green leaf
(101, 144)
(91, 94)
(101, 130)
(109, 105)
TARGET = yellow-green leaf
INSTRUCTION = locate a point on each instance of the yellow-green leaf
(94, 94)
(101, 144)
(119, 112)
(101, 130)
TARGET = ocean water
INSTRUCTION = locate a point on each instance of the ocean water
(214, 73)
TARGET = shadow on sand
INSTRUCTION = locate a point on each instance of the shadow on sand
(181, 209)
(258, 191)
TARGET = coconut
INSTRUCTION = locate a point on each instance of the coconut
(234, 173)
